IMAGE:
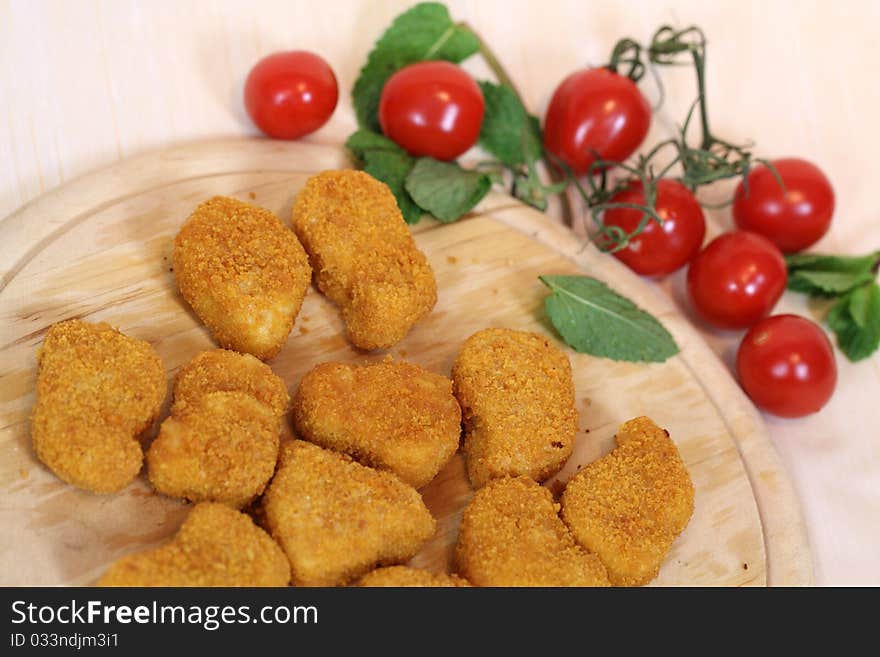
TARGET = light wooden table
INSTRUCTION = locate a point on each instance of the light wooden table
(84, 84)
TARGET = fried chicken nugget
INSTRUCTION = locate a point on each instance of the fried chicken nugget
(337, 519)
(364, 257)
(221, 441)
(244, 273)
(215, 546)
(404, 576)
(629, 506)
(346, 408)
(517, 400)
(222, 448)
(511, 535)
(97, 391)
(221, 370)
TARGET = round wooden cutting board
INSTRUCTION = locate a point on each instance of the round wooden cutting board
(99, 248)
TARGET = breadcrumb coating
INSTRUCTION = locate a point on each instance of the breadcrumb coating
(364, 257)
(404, 576)
(629, 506)
(97, 391)
(337, 519)
(517, 400)
(511, 535)
(244, 273)
(347, 408)
(216, 546)
(221, 370)
(221, 448)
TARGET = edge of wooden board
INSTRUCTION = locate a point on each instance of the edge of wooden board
(789, 559)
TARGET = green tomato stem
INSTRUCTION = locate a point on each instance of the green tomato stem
(502, 76)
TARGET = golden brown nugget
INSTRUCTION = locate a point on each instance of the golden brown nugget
(215, 546)
(404, 576)
(243, 272)
(511, 535)
(629, 506)
(364, 257)
(97, 391)
(221, 370)
(337, 519)
(347, 408)
(221, 448)
(517, 401)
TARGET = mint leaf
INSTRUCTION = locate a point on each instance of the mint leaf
(509, 132)
(425, 32)
(855, 319)
(592, 318)
(864, 307)
(829, 275)
(825, 262)
(826, 283)
(388, 162)
(445, 189)
(366, 140)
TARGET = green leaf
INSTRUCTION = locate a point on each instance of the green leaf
(824, 275)
(855, 319)
(826, 283)
(592, 318)
(445, 189)
(425, 32)
(388, 162)
(824, 262)
(366, 140)
(509, 132)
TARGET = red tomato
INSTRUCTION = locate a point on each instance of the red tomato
(290, 94)
(659, 250)
(595, 110)
(792, 219)
(736, 280)
(786, 365)
(433, 109)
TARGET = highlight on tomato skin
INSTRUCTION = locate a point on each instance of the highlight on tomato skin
(432, 109)
(736, 280)
(659, 249)
(290, 94)
(595, 111)
(786, 365)
(793, 218)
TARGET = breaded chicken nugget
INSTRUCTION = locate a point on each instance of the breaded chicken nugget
(404, 576)
(221, 441)
(629, 506)
(243, 272)
(337, 519)
(517, 401)
(220, 370)
(216, 546)
(97, 391)
(221, 448)
(511, 535)
(364, 257)
(347, 408)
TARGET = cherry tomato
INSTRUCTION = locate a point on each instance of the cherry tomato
(433, 109)
(792, 219)
(659, 250)
(736, 280)
(786, 365)
(595, 110)
(290, 94)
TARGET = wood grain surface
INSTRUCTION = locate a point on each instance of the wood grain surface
(103, 253)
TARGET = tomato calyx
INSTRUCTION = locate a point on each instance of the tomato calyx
(692, 164)
(713, 158)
